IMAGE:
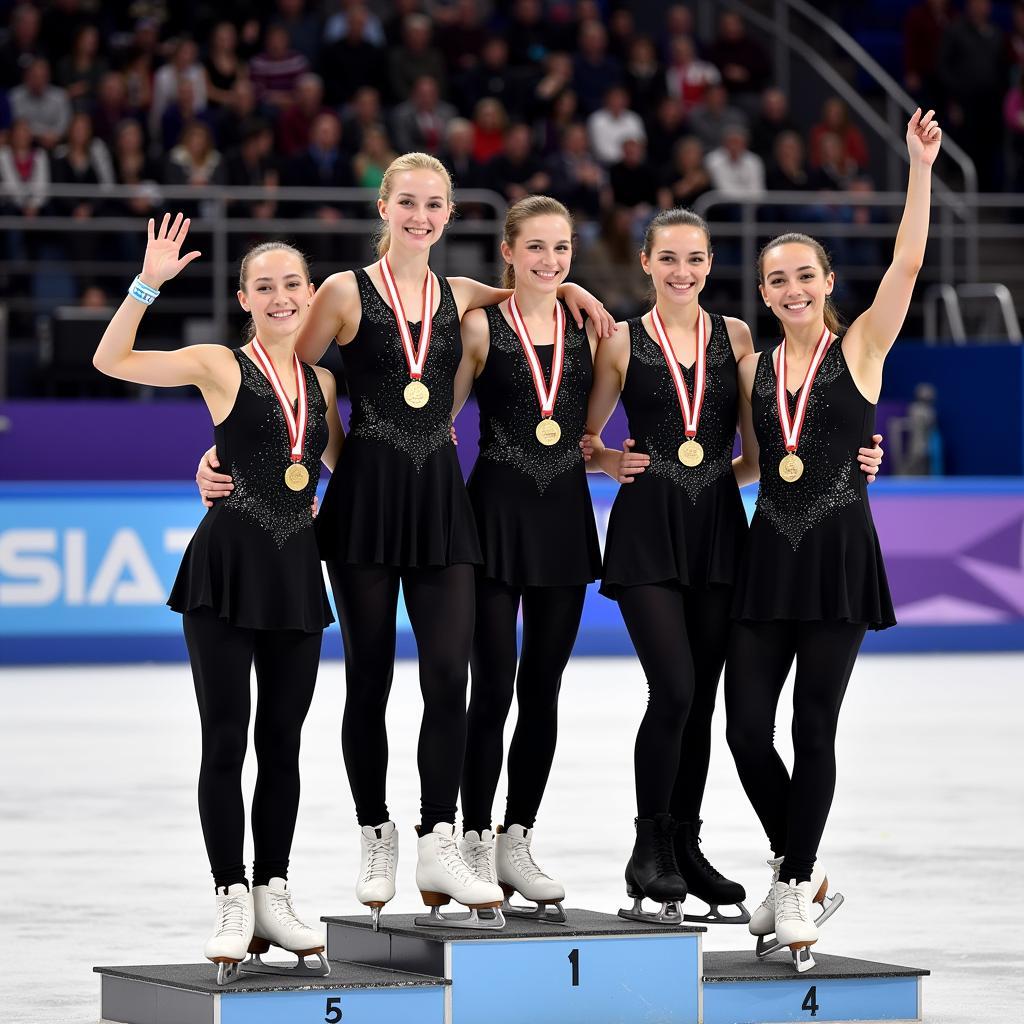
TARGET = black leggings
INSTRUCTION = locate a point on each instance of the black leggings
(792, 811)
(551, 620)
(286, 661)
(680, 635)
(440, 606)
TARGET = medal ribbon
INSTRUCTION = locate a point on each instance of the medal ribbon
(547, 395)
(791, 431)
(690, 411)
(413, 356)
(296, 428)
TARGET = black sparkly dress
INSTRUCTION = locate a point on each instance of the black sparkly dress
(532, 503)
(813, 553)
(253, 559)
(677, 523)
(397, 496)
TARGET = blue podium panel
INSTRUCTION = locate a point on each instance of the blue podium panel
(189, 994)
(577, 981)
(595, 967)
(739, 989)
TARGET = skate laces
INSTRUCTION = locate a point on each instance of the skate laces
(698, 855)
(664, 854)
(280, 905)
(379, 858)
(775, 863)
(522, 860)
(790, 905)
(231, 914)
(453, 862)
(478, 857)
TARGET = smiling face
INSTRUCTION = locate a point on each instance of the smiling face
(277, 292)
(678, 263)
(795, 283)
(417, 208)
(540, 253)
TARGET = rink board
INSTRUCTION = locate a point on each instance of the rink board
(189, 994)
(740, 989)
(596, 967)
(85, 570)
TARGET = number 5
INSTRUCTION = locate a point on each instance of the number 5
(333, 1014)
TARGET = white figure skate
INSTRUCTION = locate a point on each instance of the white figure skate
(817, 893)
(519, 872)
(277, 925)
(377, 865)
(762, 921)
(233, 931)
(477, 849)
(442, 876)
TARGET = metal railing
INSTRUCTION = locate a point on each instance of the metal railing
(753, 219)
(215, 230)
(1001, 314)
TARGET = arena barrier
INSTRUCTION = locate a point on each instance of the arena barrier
(85, 569)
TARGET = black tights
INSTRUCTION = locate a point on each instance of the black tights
(680, 635)
(792, 811)
(440, 606)
(551, 620)
(286, 661)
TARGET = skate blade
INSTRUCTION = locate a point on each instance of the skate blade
(715, 916)
(474, 921)
(227, 971)
(375, 917)
(802, 959)
(548, 912)
(300, 969)
(767, 945)
(670, 913)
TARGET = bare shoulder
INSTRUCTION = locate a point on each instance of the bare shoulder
(476, 334)
(217, 361)
(747, 368)
(615, 348)
(327, 383)
(341, 287)
(739, 336)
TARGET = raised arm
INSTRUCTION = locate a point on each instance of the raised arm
(335, 306)
(116, 356)
(874, 332)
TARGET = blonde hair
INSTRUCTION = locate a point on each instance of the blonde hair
(518, 214)
(249, 331)
(833, 321)
(408, 162)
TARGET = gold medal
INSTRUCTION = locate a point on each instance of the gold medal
(296, 476)
(416, 394)
(548, 432)
(791, 468)
(691, 453)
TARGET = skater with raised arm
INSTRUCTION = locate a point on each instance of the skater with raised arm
(813, 580)
(250, 588)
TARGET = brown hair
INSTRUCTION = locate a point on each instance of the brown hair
(518, 213)
(670, 219)
(249, 332)
(408, 162)
(833, 321)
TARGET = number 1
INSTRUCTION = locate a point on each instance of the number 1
(574, 959)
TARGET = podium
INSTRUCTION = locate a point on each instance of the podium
(595, 969)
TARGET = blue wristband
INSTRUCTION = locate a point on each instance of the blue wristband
(143, 292)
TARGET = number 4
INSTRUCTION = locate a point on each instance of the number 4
(811, 1001)
(333, 1014)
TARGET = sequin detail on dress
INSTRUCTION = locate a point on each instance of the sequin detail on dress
(717, 428)
(509, 436)
(825, 486)
(260, 493)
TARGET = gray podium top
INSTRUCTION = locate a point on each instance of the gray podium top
(742, 965)
(580, 923)
(203, 978)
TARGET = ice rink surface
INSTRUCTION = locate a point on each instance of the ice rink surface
(102, 858)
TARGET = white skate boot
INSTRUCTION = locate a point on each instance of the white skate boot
(794, 926)
(762, 921)
(233, 931)
(519, 872)
(278, 925)
(477, 849)
(442, 876)
(818, 890)
(377, 866)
